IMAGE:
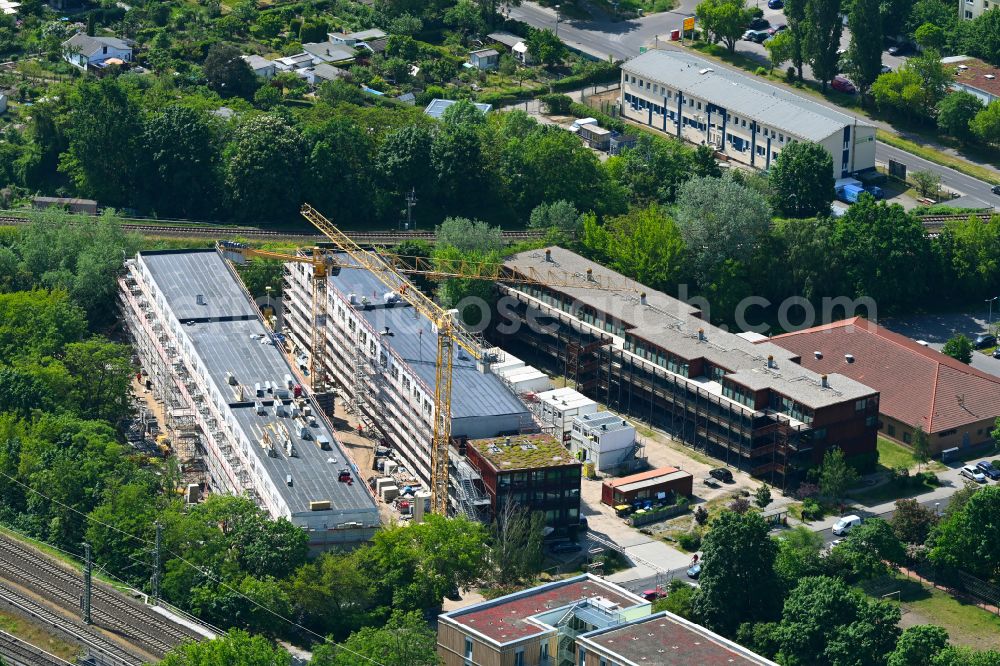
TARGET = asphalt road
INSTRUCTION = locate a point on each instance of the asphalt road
(602, 37)
(936, 329)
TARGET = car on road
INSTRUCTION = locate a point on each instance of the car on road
(775, 4)
(987, 468)
(846, 524)
(973, 474)
(996, 353)
(841, 84)
(756, 36)
(722, 474)
(759, 23)
(653, 595)
(694, 570)
(995, 189)
(984, 340)
(566, 547)
(898, 49)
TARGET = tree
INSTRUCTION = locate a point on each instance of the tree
(926, 182)
(515, 549)
(780, 48)
(982, 38)
(966, 539)
(645, 244)
(986, 124)
(821, 618)
(403, 158)
(720, 220)
(916, 88)
(183, 177)
(963, 656)
(545, 47)
(930, 36)
(405, 640)
(822, 38)
(865, 50)
(559, 218)
(762, 496)
(883, 250)
(466, 18)
(795, 13)
(264, 169)
(235, 647)
(679, 600)
(338, 171)
(725, 20)
(102, 156)
(835, 475)
(653, 169)
(469, 235)
(801, 180)
(227, 73)
(454, 150)
(737, 580)
(921, 446)
(912, 522)
(918, 646)
(955, 114)
(798, 556)
(102, 375)
(869, 546)
(959, 348)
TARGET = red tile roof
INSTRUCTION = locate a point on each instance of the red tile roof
(667, 640)
(504, 621)
(641, 476)
(919, 386)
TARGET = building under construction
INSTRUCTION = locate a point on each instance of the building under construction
(651, 356)
(381, 355)
(223, 381)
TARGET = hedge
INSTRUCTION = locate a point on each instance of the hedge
(604, 120)
(604, 72)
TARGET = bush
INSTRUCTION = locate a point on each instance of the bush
(556, 104)
(761, 71)
(790, 75)
(701, 515)
(689, 541)
(811, 509)
(929, 479)
(604, 120)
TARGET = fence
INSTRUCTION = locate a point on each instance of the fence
(980, 592)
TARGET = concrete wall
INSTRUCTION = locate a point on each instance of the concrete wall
(969, 435)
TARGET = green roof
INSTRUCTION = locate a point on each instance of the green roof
(523, 452)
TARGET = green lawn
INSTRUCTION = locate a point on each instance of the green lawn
(37, 636)
(892, 454)
(966, 623)
(886, 492)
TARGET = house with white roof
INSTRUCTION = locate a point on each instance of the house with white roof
(747, 120)
(85, 51)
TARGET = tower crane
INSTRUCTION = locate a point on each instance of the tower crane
(389, 269)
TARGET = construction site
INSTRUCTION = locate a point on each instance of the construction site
(226, 386)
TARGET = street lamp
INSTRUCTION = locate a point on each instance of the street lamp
(556, 7)
(268, 290)
(989, 316)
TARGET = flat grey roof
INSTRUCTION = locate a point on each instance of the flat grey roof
(506, 38)
(414, 339)
(329, 51)
(233, 345)
(603, 421)
(184, 274)
(740, 94)
(673, 325)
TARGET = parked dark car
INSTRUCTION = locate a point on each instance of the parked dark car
(996, 353)
(995, 189)
(775, 4)
(984, 340)
(841, 84)
(987, 468)
(898, 49)
(759, 23)
(722, 474)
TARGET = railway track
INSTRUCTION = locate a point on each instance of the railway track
(20, 653)
(109, 608)
(215, 231)
(109, 651)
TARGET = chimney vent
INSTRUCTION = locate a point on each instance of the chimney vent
(200, 299)
(590, 275)
(818, 354)
(642, 298)
(701, 334)
(824, 381)
(770, 361)
(548, 255)
(849, 358)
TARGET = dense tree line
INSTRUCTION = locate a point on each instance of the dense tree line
(794, 601)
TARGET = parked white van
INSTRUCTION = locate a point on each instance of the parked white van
(844, 525)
